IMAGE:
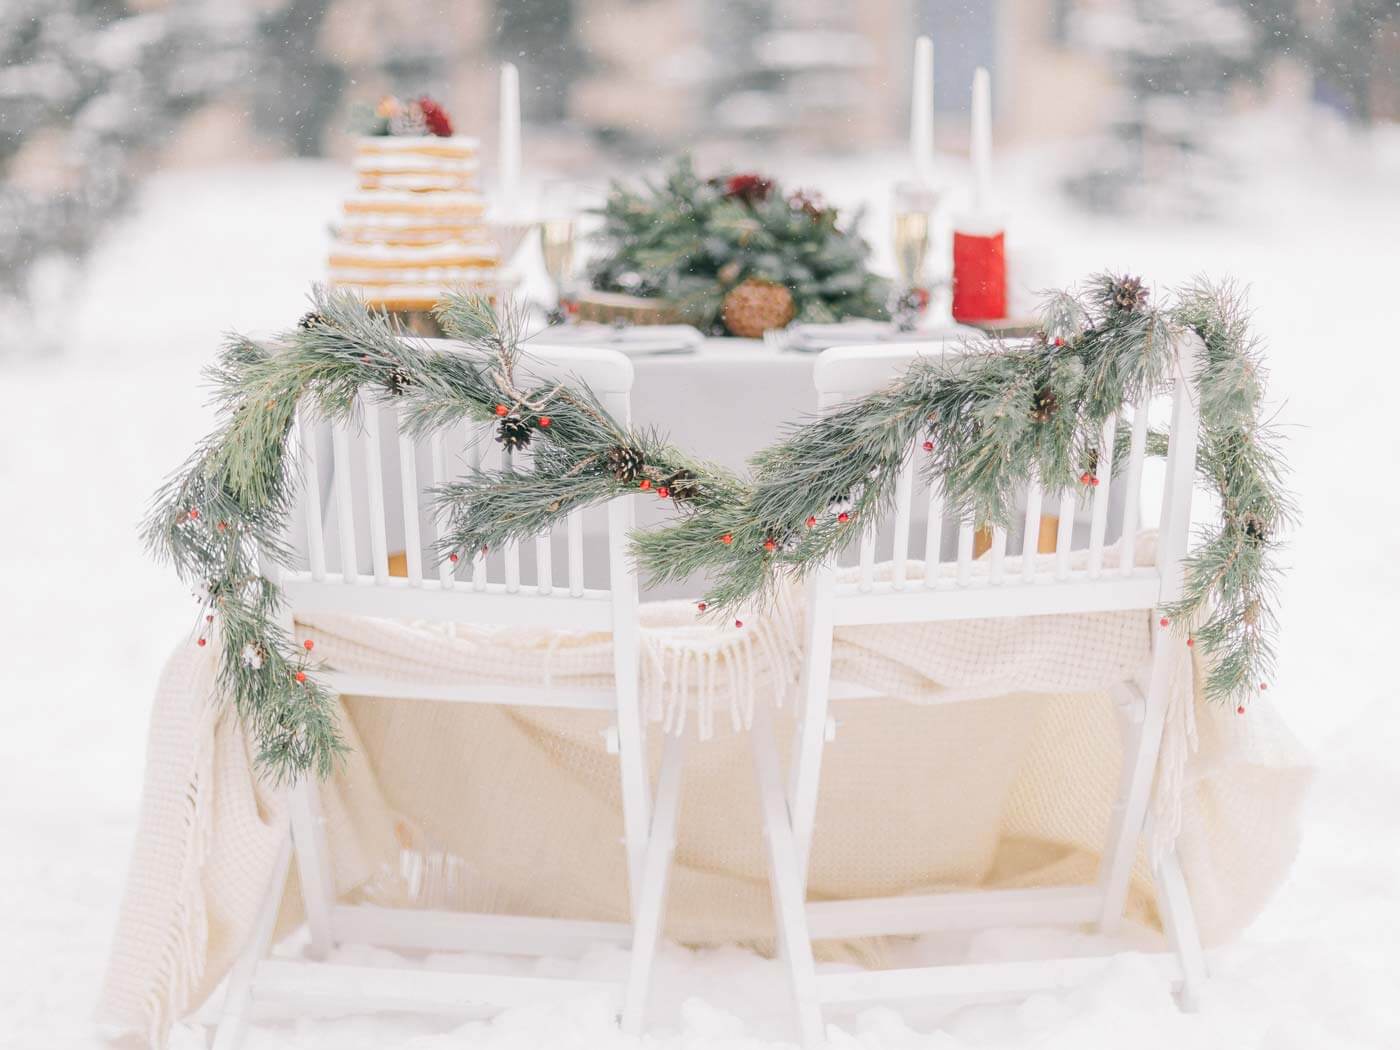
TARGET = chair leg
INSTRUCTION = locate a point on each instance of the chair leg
(1179, 921)
(810, 739)
(785, 882)
(238, 995)
(314, 871)
(1142, 743)
(650, 916)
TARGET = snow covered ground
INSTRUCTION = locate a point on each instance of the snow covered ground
(86, 436)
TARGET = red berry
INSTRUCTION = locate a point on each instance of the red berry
(928, 446)
(1164, 622)
(769, 545)
(364, 358)
(501, 410)
(200, 643)
(1059, 341)
(1263, 686)
(843, 517)
(662, 492)
(194, 513)
(701, 606)
(811, 522)
(545, 421)
(209, 618)
(222, 526)
(1086, 478)
(644, 484)
(1190, 643)
(308, 645)
(1239, 710)
(738, 623)
(1094, 481)
(452, 557)
(485, 549)
(301, 676)
(727, 538)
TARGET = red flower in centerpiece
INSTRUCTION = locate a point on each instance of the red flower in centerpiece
(435, 117)
(748, 187)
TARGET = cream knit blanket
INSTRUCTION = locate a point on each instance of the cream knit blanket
(513, 809)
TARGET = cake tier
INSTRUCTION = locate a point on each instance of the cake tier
(358, 261)
(443, 205)
(417, 296)
(454, 146)
(415, 172)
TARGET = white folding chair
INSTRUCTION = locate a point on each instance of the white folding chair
(1034, 587)
(350, 490)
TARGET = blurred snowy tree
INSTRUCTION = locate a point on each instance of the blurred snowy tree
(1348, 45)
(88, 89)
(1175, 61)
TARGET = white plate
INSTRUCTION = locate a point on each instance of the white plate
(811, 338)
(633, 340)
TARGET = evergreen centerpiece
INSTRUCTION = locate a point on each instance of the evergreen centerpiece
(735, 253)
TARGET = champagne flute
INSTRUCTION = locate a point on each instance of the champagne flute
(560, 202)
(914, 204)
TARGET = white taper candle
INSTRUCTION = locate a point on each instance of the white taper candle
(981, 139)
(509, 145)
(921, 111)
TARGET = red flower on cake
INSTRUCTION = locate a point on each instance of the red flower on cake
(435, 117)
(748, 187)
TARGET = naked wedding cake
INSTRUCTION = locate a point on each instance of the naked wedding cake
(414, 229)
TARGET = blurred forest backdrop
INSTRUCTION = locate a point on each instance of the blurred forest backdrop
(94, 94)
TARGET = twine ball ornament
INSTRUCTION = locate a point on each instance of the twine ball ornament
(757, 306)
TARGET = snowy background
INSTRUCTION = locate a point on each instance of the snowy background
(1309, 220)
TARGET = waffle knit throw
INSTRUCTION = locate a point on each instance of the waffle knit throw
(518, 810)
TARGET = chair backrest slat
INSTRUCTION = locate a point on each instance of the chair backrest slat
(311, 478)
(473, 438)
(1064, 533)
(1030, 540)
(903, 501)
(575, 529)
(1137, 452)
(1104, 473)
(966, 534)
(408, 488)
(439, 475)
(374, 473)
(933, 536)
(998, 554)
(345, 501)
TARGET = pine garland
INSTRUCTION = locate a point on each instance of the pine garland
(986, 421)
(226, 509)
(692, 240)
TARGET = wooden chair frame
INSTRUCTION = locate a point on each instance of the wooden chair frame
(325, 587)
(789, 808)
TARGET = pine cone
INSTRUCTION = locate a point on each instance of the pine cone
(398, 382)
(1044, 405)
(312, 320)
(683, 485)
(625, 464)
(1128, 293)
(756, 306)
(513, 432)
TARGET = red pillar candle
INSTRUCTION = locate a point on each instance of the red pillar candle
(979, 276)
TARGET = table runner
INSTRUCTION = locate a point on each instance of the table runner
(518, 809)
